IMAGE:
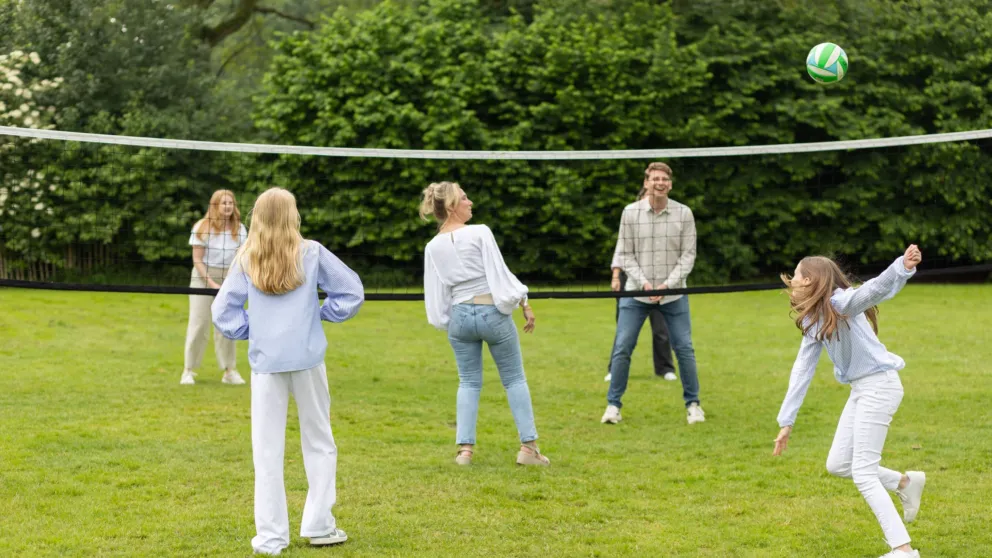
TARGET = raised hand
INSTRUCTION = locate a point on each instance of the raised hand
(912, 257)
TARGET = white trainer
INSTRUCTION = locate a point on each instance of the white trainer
(608, 377)
(612, 415)
(912, 494)
(187, 378)
(902, 554)
(336, 536)
(694, 413)
(232, 377)
(670, 376)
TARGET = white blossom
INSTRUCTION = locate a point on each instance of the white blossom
(35, 58)
(35, 232)
(39, 206)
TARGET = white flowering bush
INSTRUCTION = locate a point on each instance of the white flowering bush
(27, 192)
(19, 93)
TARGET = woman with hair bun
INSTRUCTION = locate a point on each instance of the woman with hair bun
(470, 293)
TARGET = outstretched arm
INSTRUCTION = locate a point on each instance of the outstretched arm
(854, 301)
(802, 375)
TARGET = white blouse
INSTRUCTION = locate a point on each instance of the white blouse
(462, 264)
(220, 245)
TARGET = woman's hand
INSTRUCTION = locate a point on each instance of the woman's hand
(529, 316)
(782, 440)
(212, 284)
(912, 257)
(615, 284)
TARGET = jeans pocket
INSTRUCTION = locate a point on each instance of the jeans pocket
(499, 324)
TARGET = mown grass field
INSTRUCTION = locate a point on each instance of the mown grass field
(103, 453)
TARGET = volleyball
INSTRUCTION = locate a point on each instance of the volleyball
(826, 63)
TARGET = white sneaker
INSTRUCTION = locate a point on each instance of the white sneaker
(612, 415)
(694, 413)
(187, 379)
(902, 554)
(608, 377)
(336, 536)
(232, 377)
(670, 376)
(912, 494)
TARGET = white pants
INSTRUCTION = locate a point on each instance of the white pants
(857, 448)
(200, 324)
(269, 403)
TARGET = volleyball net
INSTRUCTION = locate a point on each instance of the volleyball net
(110, 213)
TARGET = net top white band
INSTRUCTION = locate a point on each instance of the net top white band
(497, 155)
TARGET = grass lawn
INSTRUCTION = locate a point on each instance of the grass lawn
(103, 453)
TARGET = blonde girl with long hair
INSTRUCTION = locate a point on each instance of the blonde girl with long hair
(470, 293)
(278, 273)
(215, 240)
(832, 314)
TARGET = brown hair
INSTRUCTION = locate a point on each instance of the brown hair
(657, 167)
(811, 302)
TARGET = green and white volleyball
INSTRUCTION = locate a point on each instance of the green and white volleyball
(826, 63)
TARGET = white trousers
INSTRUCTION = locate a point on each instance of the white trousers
(269, 404)
(857, 448)
(200, 324)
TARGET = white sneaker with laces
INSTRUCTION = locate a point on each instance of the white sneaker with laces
(612, 415)
(232, 377)
(694, 413)
(902, 554)
(336, 536)
(608, 377)
(912, 494)
(187, 378)
(670, 376)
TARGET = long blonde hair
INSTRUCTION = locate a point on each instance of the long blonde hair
(811, 302)
(271, 256)
(439, 200)
(213, 221)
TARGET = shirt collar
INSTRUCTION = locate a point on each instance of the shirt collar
(646, 206)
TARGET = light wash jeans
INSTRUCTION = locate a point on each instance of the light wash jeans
(632, 316)
(470, 325)
(857, 448)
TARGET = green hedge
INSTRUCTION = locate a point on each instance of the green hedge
(639, 75)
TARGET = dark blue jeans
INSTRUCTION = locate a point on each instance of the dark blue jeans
(631, 319)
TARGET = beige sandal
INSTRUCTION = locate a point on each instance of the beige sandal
(464, 456)
(531, 456)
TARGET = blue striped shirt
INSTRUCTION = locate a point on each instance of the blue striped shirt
(855, 350)
(283, 331)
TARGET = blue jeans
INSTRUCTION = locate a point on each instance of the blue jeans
(632, 316)
(470, 325)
